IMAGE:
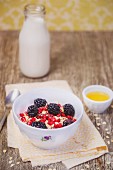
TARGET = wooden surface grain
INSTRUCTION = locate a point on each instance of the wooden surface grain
(81, 58)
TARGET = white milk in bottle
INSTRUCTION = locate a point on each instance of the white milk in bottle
(34, 43)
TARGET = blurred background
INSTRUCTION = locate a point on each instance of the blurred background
(65, 15)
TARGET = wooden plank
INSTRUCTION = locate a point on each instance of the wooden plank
(81, 58)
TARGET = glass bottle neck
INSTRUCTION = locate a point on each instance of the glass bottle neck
(34, 11)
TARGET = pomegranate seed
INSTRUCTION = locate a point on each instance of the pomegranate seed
(63, 115)
(58, 120)
(50, 118)
(59, 125)
(44, 116)
(22, 114)
(61, 109)
(26, 113)
(59, 105)
(44, 108)
(74, 119)
(42, 120)
(33, 119)
(58, 115)
(50, 122)
(41, 116)
(23, 119)
(29, 123)
(40, 110)
(51, 115)
(53, 119)
(47, 115)
(37, 116)
(69, 117)
(55, 125)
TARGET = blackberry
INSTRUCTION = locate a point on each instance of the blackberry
(32, 111)
(69, 110)
(67, 122)
(53, 108)
(40, 102)
(34, 124)
(39, 125)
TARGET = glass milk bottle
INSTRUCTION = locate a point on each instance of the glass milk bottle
(34, 43)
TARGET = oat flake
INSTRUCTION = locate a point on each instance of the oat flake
(98, 168)
(108, 133)
(10, 162)
(10, 158)
(97, 118)
(87, 110)
(108, 142)
(98, 124)
(104, 123)
(95, 115)
(87, 166)
(108, 163)
(4, 151)
(106, 129)
(18, 163)
(12, 165)
(107, 137)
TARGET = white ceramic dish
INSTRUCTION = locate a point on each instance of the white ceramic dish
(97, 106)
(47, 138)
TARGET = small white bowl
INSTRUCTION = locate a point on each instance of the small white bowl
(47, 138)
(97, 106)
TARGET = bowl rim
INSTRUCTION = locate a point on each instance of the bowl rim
(93, 101)
(47, 130)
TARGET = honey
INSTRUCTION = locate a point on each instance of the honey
(98, 96)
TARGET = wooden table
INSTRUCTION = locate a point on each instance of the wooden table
(81, 58)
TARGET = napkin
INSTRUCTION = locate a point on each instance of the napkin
(85, 145)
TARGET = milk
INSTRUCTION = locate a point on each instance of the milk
(34, 47)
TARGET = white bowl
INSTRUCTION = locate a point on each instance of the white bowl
(47, 138)
(97, 106)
